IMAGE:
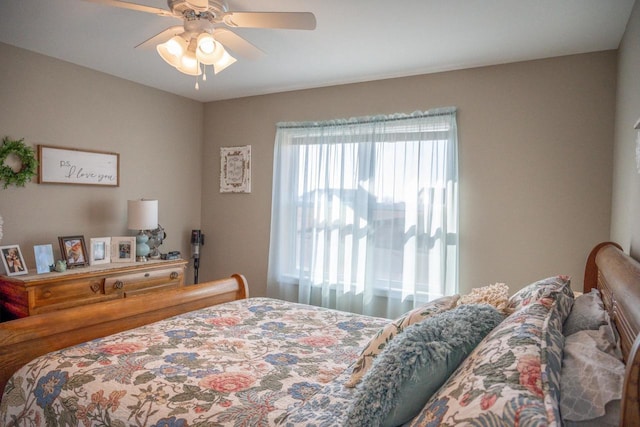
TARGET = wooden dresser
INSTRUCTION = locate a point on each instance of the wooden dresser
(25, 295)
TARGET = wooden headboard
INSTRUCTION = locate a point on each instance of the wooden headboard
(617, 276)
(22, 340)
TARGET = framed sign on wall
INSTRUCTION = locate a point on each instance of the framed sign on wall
(59, 165)
(235, 169)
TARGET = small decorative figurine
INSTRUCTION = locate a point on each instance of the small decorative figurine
(61, 265)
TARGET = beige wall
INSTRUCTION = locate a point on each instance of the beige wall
(158, 136)
(625, 224)
(535, 164)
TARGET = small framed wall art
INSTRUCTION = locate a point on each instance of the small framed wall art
(99, 250)
(13, 260)
(123, 249)
(74, 251)
(235, 169)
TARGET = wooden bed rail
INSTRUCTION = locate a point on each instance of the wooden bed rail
(22, 340)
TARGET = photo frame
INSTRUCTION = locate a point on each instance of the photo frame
(123, 249)
(99, 250)
(74, 251)
(13, 260)
(44, 258)
(235, 169)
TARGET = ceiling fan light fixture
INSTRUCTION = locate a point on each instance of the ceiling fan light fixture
(173, 50)
(193, 43)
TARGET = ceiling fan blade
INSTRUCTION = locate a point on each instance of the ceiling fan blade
(133, 6)
(161, 37)
(283, 20)
(237, 44)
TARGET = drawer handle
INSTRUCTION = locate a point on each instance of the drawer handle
(118, 284)
(173, 275)
(146, 275)
(95, 287)
(46, 294)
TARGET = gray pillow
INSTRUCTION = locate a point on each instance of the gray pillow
(611, 418)
(416, 363)
(587, 314)
(591, 380)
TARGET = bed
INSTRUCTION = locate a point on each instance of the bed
(208, 355)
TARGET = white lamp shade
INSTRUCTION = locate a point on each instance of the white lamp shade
(142, 214)
(224, 61)
(173, 50)
(189, 64)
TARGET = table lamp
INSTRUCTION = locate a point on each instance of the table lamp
(142, 215)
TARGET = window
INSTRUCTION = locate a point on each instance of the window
(364, 212)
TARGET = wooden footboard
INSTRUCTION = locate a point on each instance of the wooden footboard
(617, 276)
(24, 339)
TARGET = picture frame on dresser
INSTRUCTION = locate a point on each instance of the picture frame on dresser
(99, 250)
(44, 258)
(74, 251)
(13, 260)
(123, 249)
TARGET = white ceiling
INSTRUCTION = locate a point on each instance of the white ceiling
(355, 40)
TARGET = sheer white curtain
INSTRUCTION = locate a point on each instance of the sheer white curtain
(365, 212)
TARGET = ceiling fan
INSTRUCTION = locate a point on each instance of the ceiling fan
(205, 32)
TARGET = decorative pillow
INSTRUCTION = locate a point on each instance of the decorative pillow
(416, 363)
(511, 378)
(496, 295)
(559, 287)
(587, 313)
(386, 334)
(591, 379)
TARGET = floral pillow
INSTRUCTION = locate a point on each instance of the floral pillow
(386, 334)
(511, 378)
(558, 287)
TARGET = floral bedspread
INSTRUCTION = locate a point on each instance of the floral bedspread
(244, 363)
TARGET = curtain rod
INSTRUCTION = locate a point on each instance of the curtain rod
(369, 119)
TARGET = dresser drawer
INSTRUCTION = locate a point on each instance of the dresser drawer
(141, 282)
(64, 294)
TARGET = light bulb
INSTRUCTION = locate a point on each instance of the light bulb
(206, 43)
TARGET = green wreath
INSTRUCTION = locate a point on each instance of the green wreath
(27, 158)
